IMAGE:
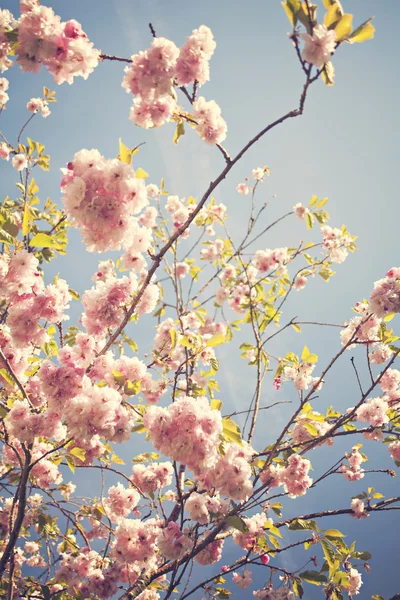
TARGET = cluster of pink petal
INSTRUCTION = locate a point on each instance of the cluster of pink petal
(4, 97)
(358, 508)
(148, 479)
(294, 477)
(87, 573)
(267, 260)
(154, 72)
(380, 354)
(98, 411)
(172, 543)
(231, 473)
(385, 297)
(29, 301)
(187, 431)
(364, 328)
(390, 381)
(354, 472)
(120, 502)
(7, 24)
(199, 507)
(100, 196)
(180, 212)
(255, 528)
(104, 304)
(136, 542)
(36, 104)
(337, 242)
(394, 450)
(300, 210)
(236, 289)
(355, 583)
(211, 554)
(301, 434)
(63, 48)
(210, 126)
(25, 425)
(45, 473)
(302, 377)
(318, 47)
(281, 593)
(243, 580)
(374, 412)
(192, 64)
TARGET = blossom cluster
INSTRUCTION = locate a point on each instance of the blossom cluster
(294, 477)
(43, 39)
(153, 74)
(101, 196)
(385, 297)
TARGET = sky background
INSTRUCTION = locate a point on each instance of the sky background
(344, 147)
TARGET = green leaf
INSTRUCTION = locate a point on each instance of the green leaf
(179, 131)
(333, 15)
(79, 453)
(5, 374)
(302, 524)
(70, 463)
(141, 174)
(125, 155)
(363, 33)
(344, 28)
(309, 221)
(333, 533)
(313, 577)
(118, 377)
(305, 354)
(42, 240)
(296, 327)
(312, 430)
(291, 8)
(131, 388)
(216, 340)
(231, 431)
(216, 404)
(328, 73)
(361, 555)
(377, 597)
(73, 294)
(237, 523)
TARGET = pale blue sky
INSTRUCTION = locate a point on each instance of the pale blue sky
(344, 147)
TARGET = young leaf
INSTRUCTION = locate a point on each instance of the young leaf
(42, 240)
(363, 33)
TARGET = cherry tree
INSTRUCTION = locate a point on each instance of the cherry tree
(200, 493)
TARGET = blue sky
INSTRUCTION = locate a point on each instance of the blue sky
(344, 147)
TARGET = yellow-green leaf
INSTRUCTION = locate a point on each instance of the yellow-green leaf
(42, 240)
(179, 131)
(333, 533)
(216, 340)
(141, 174)
(363, 33)
(125, 155)
(231, 431)
(216, 404)
(131, 388)
(344, 28)
(305, 354)
(79, 453)
(70, 463)
(333, 16)
(328, 74)
(26, 220)
(118, 377)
